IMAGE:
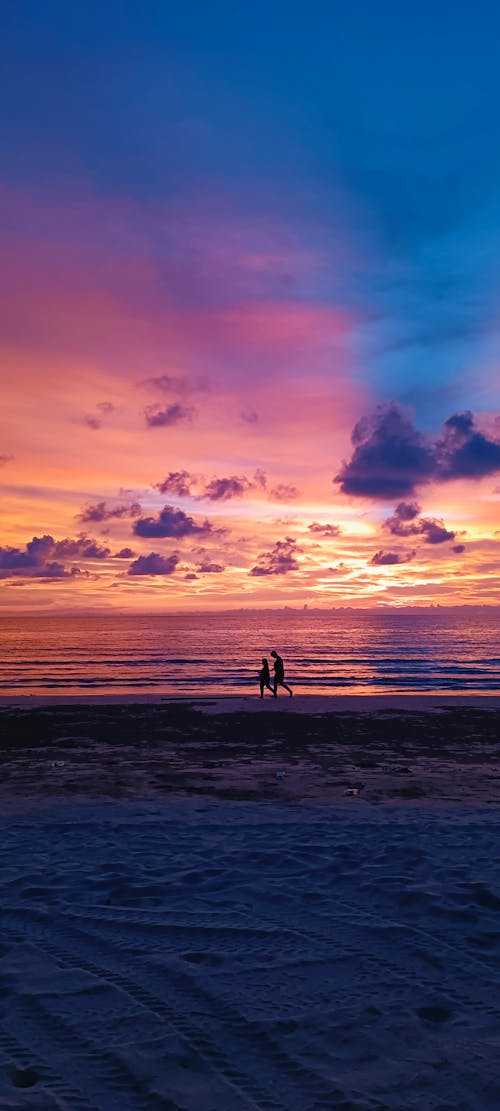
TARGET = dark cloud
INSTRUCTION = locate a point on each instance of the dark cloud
(279, 560)
(39, 549)
(178, 483)
(382, 559)
(325, 530)
(284, 492)
(14, 559)
(190, 577)
(404, 513)
(391, 458)
(233, 486)
(43, 557)
(458, 548)
(406, 522)
(434, 531)
(124, 553)
(210, 568)
(102, 512)
(183, 484)
(95, 420)
(154, 564)
(170, 522)
(156, 417)
(222, 489)
(36, 553)
(84, 547)
(464, 452)
(249, 416)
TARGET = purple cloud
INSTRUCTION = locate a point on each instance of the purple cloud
(383, 559)
(280, 560)
(124, 553)
(222, 489)
(178, 483)
(325, 530)
(83, 547)
(43, 552)
(43, 557)
(101, 512)
(210, 568)
(391, 458)
(400, 522)
(176, 384)
(156, 417)
(405, 522)
(233, 486)
(184, 484)
(249, 416)
(464, 452)
(170, 522)
(56, 570)
(435, 531)
(154, 564)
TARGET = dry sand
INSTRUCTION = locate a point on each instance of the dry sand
(184, 931)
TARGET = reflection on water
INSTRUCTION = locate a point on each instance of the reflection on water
(355, 652)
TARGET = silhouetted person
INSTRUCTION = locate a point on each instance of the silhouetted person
(264, 677)
(279, 674)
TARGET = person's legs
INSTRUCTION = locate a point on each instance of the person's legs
(275, 687)
(262, 688)
(289, 689)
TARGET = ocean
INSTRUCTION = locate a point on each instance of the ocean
(350, 652)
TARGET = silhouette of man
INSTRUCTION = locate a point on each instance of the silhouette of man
(279, 674)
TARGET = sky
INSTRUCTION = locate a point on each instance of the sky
(249, 305)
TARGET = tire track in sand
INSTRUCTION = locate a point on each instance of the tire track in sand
(204, 1022)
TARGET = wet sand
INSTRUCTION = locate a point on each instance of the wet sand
(402, 748)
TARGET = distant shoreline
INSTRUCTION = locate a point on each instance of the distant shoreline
(212, 611)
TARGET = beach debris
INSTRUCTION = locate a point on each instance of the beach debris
(57, 764)
(280, 775)
(354, 791)
(24, 1078)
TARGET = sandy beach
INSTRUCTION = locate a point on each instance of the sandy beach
(226, 904)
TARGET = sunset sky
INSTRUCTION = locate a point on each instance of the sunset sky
(250, 305)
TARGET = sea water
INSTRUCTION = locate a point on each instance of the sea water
(342, 651)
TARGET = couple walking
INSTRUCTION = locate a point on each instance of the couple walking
(278, 678)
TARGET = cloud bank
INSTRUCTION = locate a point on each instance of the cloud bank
(43, 557)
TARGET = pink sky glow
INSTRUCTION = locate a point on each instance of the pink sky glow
(134, 350)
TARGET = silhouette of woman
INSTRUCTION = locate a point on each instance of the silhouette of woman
(264, 677)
